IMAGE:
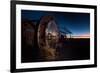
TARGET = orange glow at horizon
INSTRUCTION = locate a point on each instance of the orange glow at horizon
(82, 36)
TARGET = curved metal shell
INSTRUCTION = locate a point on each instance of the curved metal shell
(48, 33)
(52, 34)
(48, 36)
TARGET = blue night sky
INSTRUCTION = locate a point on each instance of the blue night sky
(77, 23)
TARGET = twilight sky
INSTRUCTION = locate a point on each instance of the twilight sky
(77, 23)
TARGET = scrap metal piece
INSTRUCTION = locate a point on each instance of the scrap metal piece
(48, 37)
